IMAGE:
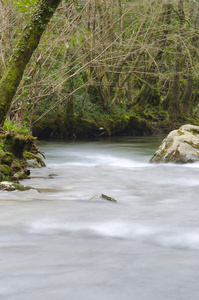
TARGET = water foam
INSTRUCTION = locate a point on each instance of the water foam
(179, 238)
(104, 160)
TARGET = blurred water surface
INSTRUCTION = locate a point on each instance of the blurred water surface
(66, 242)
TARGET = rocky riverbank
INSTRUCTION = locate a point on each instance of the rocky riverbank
(18, 153)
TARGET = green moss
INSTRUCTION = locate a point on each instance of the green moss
(4, 177)
(195, 146)
(180, 132)
(193, 131)
(112, 124)
(17, 144)
(158, 158)
(16, 166)
(21, 187)
(19, 175)
(14, 143)
(6, 170)
(6, 158)
(13, 165)
(30, 143)
(84, 127)
(12, 186)
(29, 155)
(139, 126)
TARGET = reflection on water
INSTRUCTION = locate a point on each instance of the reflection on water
(64, 243)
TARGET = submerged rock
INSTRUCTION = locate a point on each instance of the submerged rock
(180, 146)
(104, 197)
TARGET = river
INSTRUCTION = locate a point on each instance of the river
(67, 242)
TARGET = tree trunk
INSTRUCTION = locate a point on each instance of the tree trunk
(149, 92)
(186, 100)
(174, 105)
(175, 108)
(24, 49)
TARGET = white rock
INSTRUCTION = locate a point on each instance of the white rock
(33, 163)
(180, 146)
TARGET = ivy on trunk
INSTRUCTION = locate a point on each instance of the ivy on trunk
(24, 49)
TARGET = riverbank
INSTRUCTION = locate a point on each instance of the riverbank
(136, 122)
(18, 153)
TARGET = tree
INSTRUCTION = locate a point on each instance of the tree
(24, 49)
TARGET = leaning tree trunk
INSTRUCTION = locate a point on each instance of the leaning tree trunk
(24, 49)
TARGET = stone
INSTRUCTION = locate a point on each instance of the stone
(6, 184)
(180, 146)
(19, 175)
(33, 160)
(33, 163)
(10, 186)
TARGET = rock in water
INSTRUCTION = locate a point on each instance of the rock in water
(180, 146)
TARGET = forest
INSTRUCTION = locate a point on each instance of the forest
(99, 149)
(99, 68)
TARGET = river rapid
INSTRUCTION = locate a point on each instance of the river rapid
(66, 242)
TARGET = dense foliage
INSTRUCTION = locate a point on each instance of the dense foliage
(112, 64)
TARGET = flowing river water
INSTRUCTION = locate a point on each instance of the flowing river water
(66, 242)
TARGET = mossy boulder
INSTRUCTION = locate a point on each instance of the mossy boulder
(12, 186)
(6, 170)
(18, 143)
(6, 158)
(17, 151)
(33, 160)
(14, 144)
(180, 146)
(17, 167)
(20, 175)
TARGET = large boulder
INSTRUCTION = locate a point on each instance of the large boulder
(180, 146)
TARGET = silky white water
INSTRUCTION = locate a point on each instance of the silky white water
(66, 242)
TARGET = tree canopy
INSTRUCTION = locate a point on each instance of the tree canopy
(101, 59)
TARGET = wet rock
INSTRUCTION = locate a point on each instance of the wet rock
(7, 186)
(12, 186)
(33, 160)
(17, 153)
(33, 163)
(104, 197)
(180, 146)
(20, 175)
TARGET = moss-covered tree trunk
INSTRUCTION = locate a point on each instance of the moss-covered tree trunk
(24, 49)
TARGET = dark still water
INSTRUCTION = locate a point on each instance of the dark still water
(68, 243)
